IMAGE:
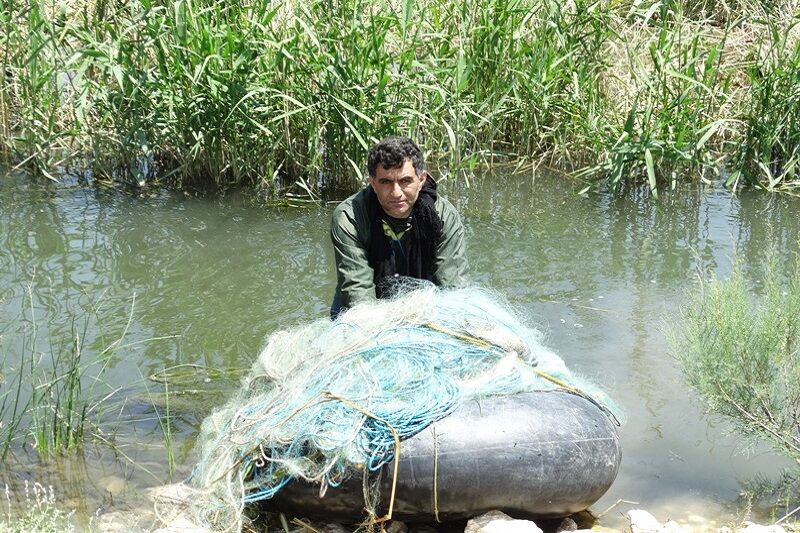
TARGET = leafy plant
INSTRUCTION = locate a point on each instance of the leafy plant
(740, 353)
(769, 155)
(288, 96)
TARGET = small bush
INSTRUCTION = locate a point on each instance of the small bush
(40, 514)
(739, 351)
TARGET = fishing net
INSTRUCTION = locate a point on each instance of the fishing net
(331, 399)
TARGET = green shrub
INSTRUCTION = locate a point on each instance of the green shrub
(739, 351)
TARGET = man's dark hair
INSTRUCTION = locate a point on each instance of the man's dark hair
(392, 152)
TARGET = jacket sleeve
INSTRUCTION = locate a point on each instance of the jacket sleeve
(354, 275)
(451, 260)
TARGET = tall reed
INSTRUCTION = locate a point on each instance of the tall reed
(39, 126)
(270, 94)
(769, 153)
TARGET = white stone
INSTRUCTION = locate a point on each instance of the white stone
(113, 484)
(499, 522)
(749, 527)
(643, 522)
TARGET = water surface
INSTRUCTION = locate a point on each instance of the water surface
(202, 281)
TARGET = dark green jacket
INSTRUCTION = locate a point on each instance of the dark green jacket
(350, 233)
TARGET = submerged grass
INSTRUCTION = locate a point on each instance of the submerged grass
(47, 402)
(56, 397)
(270, 94)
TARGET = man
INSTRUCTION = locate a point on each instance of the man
(395, 227)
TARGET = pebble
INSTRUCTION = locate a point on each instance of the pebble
(641, 521)
(499, 522)
(644, 522)
(114, 485)
(568, 524)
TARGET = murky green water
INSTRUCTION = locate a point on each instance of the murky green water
(194, 281)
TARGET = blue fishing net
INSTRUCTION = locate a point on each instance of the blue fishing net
(330, 399)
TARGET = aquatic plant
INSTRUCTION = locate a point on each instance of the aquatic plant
(740, 353)
(56, 395)
(675, 94)
(39, 119)
(289, 95)
(770, 151)
(164, 423)
(46, 400)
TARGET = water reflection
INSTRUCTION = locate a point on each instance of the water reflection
(203, 280)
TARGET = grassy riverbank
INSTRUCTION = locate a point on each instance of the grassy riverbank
(259, 93)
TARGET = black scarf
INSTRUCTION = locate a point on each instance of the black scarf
(425, 234)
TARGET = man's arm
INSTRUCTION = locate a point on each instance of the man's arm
(451, 260)
(354, 275)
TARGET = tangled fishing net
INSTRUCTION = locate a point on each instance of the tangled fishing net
(327, 401)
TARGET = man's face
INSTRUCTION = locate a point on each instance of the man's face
(397, 188)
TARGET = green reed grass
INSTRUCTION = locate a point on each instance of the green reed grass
(48, 403)
(770, 152)
(57, 395)
(674, 116)
(165, 422)
(57, 409)
(277, 94)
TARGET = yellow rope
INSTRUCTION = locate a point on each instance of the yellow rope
(486, 344)
(396, 436)
(436, 474)
(460, 336)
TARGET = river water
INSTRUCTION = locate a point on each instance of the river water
(186, 280)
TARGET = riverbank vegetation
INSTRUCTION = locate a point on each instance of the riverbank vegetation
(292, 93)
(54, 394)
(740, 353)
(39, 515)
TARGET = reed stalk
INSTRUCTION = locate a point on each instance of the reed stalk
(290, 95)
(769, 154)
(57, 396)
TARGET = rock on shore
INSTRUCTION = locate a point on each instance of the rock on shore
(640, 521)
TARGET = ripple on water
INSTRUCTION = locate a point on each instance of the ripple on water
(216, 276)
